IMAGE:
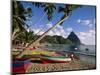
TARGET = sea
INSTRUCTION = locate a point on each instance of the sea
(86, 53)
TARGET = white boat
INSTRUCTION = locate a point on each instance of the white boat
(55, 59)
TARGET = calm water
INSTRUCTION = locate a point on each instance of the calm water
(84, 52)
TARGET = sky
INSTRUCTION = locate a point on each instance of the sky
(82, 22)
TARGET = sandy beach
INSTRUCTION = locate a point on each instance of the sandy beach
(73, 65)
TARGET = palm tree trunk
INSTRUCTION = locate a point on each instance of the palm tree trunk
(16, 6)
(14, 34)
(44, 34)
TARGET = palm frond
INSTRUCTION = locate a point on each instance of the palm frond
(49, 8)
(60, 9)
(37, 4)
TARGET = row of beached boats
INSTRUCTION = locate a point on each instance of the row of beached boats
(21, 65)
(44, 57)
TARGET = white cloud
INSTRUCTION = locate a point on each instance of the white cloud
(63, 31)
(40, 33)
(92, 31)
(56, 32)
(28, 30)
(51, 33)
(69, 29)
(60, 31)
(36, 30)
(60, 27)
(90, 25)
(79, 20)
(88, 37)
(49, 25)
(86, 22)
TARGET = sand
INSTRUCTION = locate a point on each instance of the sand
(73, 65)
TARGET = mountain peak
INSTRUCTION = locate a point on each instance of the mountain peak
(73, 38)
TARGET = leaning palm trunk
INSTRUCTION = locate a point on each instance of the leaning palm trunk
(42, 36)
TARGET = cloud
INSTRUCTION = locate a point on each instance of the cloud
(88, 37)
(86, 22)
(40, 29)
(69, 29)
(79, 20)
(51, 33)
(63, 31)
(60, 31)
(49, 25)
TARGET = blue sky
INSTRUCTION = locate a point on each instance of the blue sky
(82, 22)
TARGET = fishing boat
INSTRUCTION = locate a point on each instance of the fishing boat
(58, 59)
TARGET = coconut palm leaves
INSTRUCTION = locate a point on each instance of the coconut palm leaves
(49, 8)
(37, 4)
(19, 10)
(20, 15)
(67, 10)
(26, 37)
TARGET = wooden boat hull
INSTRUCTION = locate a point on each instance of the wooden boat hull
(55, 60)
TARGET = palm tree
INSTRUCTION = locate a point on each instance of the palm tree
(26, 37)
(19, 16)
(48, 8)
